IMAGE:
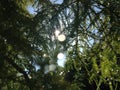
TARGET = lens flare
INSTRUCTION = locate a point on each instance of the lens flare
(57, 32)
(60, 56)
(52, 67)
(61, 37)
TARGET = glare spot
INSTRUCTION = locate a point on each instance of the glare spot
(110, 83)
(5, 40)
(60, 56)
(29, 76)
(19, 74)
(111, 69)
(61, 73)
(49, 68)
(98, 71)
(57, 32)
(44, 55)
(52, 67)
(61, 37)
(20, 56)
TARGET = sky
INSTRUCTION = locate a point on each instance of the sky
(57, 1)
(31, 10)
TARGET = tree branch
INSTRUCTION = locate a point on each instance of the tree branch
(19, 69)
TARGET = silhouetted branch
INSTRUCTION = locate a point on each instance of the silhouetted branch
(19, 69)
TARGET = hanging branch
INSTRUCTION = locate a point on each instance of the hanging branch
(19, 69)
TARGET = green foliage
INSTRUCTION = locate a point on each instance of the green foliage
(29, 46)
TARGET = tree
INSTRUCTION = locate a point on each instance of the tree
(28, 42)
(94, 53)
(24, 46)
